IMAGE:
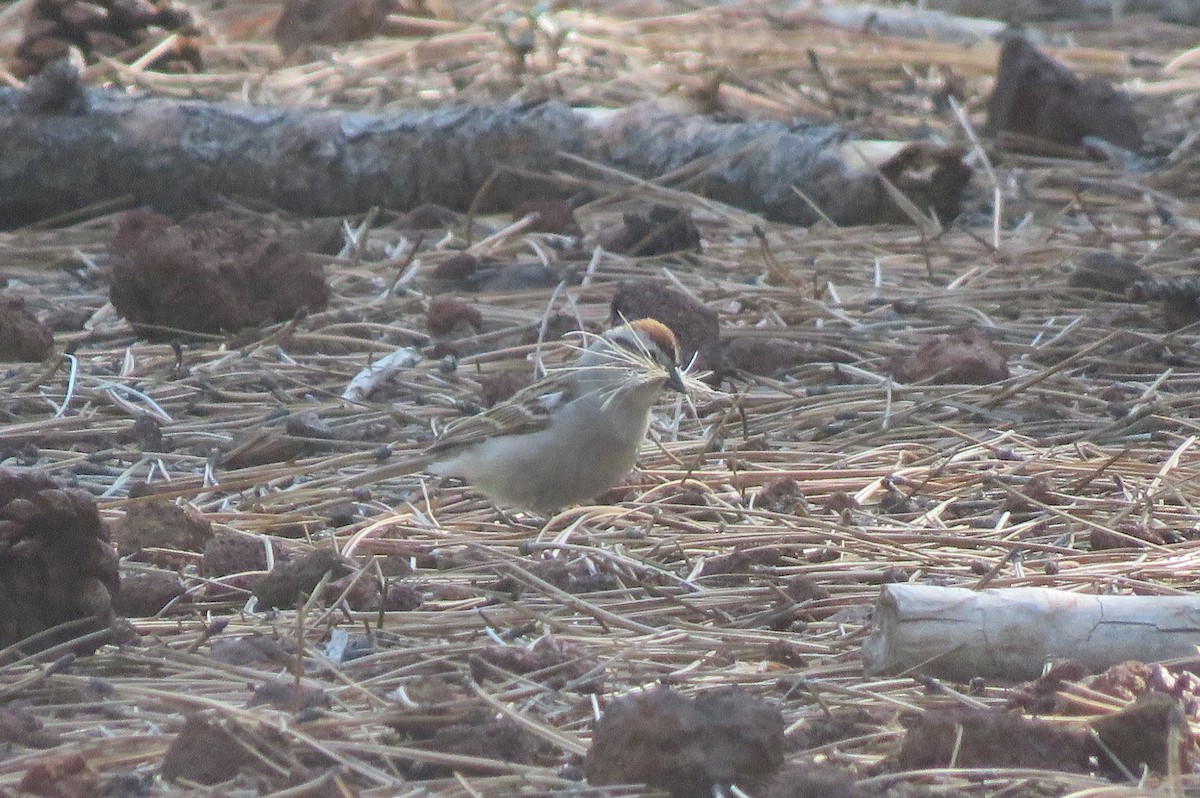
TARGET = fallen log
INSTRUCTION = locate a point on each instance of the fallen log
(64, 147)
(1009, 634)
(911, 23)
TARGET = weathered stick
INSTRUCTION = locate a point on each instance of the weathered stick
(1009, 634)
(62, 147)
(912, 23)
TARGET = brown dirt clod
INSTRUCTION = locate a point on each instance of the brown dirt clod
(766, 356)
(208, 275)
(289, 580)
(22, 337)
(1126, 535)
(991, 739)
(429, 216)
(286, 695)
(18, 726)
(686, 746)
(446, 313)
(457, 268)
(803, 587)
(144, 593)
(780, 495)
(817, 781)
(250, 650)
(1037, 96)
(68, 776)
(483, 738)
(1140, 735)
(1180, 298)
(557, 662)
(399, 597)
(824, 729)
(659, 230)
(966, 357)
(553, 216)
(1040, 489)
(161, 524)
(211, 749)
(308, 22)
(1040, 697)
(496, 388)
(1131, 680)
(231, 552)
(1103, 271)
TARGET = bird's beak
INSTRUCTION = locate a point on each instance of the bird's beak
(675, 381)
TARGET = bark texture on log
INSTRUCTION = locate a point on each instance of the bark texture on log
(179, 156)
(1009, 634)
(58, 154)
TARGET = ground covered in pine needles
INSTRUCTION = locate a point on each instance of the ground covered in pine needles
(447, 648)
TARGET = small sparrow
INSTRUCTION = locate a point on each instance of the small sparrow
(567, 438)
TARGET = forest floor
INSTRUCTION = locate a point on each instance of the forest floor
(749, 547)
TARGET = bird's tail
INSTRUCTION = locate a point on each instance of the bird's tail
(389, 470)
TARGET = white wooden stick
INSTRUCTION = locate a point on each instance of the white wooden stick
(1009, 634)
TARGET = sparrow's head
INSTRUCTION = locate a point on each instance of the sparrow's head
(648, 343)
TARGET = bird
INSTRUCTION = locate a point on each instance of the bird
(567, 438)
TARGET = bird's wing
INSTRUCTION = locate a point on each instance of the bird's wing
(528, 411)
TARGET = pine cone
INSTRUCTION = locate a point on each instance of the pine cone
(56, 562)
(113, 28)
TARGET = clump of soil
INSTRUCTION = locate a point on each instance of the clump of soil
(304, 23)
(1179, 297)
(990, 739)
(1135, 736)
(145, 593)
(163, 525)
(447, 313)
(555, 662)
(208, 275)
(1103, 271)
(1039, 97)
(551, 216)
(692, 748)
(22, 337)
(966, 357)
(234, 552)
(483, 738)
(660, 230)
(287, 581)
(212, 749)
(767, 356)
